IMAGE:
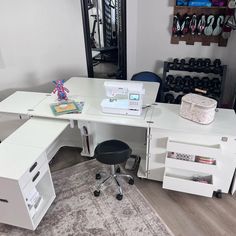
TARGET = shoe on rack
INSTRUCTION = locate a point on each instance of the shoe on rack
(184, 29)
(193, 24)
(201, 24)
(219, 25)
(176, 25)
(209, 26)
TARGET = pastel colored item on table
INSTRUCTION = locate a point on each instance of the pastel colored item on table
(61, 90)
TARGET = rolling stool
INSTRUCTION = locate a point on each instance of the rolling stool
(113, 152)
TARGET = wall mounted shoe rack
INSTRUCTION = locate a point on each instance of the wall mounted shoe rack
(191, 38)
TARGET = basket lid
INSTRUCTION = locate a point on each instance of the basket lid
(199, 100)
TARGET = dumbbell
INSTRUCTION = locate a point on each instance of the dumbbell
(195, 81)
(200, 65)
(169, 98)
(207, 66)
(217, 63)
(207, 62)
(166, 88)
(199, 83)
(175, 65)
(192, 63)
(182, 64)
(178, 99)
(205, 82)
(170, 79)
(215, 83)
(217, 69)
(178, 80)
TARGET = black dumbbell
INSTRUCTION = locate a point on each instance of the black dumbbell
(217, 62)
(169, 98)
(170, 79)
(192, 63)
(178, 88)
(178, 80)
(195, 81)
(199, 65)
(182, 64)
(187, 89)
(166, 88)
(176, 64)
(215, 83)
(205, 82)
(199, 83)
(178, 99)
(207, 62)
(218, 70)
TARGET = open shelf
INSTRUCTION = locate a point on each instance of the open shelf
(185, 181)
(46, 190)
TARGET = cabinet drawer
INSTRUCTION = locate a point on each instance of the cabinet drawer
(33, 170)
(184, 183)
(211, 151)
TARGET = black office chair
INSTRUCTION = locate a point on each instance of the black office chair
(113, 152)
(149, 77)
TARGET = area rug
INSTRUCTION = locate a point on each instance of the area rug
(76, 211)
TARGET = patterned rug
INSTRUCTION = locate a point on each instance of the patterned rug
(76, 211)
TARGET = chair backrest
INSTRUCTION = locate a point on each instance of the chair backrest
(149, 77)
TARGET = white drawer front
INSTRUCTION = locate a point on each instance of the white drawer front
(33, 170)
(187, 186)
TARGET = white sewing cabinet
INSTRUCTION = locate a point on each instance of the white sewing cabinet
(173, 141)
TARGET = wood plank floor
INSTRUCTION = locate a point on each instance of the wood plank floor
(185, 214)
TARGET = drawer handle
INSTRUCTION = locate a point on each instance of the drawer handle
(3, 200)
(33, 167)
(36, 176)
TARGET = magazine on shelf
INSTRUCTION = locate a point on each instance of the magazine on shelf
(66, 107)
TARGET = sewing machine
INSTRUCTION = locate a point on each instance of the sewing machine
(125, 98)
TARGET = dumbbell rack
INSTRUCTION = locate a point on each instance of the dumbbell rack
(175, 70)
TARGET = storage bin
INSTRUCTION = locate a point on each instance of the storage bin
(198, 108)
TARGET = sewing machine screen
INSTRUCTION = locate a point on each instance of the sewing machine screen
(134, 97)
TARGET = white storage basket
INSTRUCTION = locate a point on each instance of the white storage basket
(198, 108)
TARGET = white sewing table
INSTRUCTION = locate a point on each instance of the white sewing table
(25, 154)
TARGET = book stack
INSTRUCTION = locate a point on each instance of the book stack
(66, 107)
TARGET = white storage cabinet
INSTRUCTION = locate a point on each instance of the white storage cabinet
(212, 172)
(26, 188)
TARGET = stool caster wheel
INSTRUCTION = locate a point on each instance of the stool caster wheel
(96, 193)
(98, 176)
(131, 181)
(218, 194)
(118, 170)
(119, 197)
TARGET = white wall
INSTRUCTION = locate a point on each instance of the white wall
(40, 41)
(149, 26)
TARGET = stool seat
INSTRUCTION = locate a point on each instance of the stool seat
(112, 152)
